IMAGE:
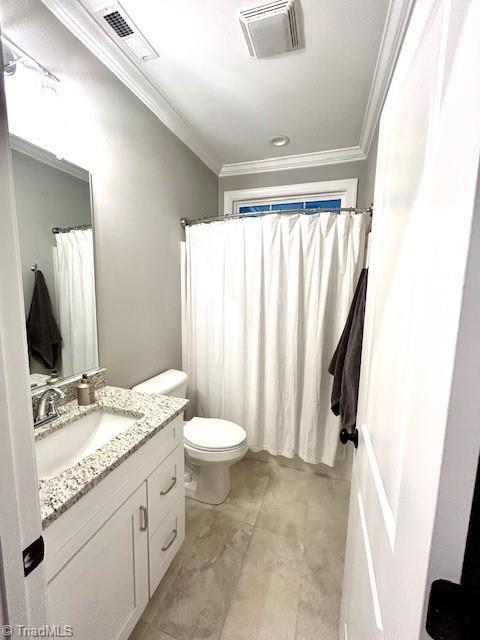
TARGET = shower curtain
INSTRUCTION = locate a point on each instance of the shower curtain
(265, 302)
(75, 293)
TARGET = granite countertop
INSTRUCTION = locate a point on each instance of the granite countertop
(154, 412)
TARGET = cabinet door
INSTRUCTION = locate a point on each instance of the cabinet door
(102, 591)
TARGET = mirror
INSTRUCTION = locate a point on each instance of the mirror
(53, 205)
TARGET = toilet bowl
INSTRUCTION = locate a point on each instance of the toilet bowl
(211, 445)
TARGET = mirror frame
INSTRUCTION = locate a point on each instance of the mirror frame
(47, 157)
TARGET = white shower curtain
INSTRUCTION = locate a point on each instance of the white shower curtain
(266, 300)
(75, 293)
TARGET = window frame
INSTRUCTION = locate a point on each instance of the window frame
(343, 190)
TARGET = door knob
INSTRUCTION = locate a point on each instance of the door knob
(349, 436)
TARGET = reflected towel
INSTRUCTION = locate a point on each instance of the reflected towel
(43, 335)
(345, 364)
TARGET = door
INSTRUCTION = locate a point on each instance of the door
(424, 207)
(22, 600)
(108, 578)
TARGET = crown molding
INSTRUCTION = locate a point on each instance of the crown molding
(42, 155)
(398, 16)
(80, 22)
(299, 161)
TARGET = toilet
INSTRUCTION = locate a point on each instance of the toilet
(212, 445)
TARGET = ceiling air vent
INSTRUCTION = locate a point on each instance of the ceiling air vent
(271, 28)
(117, 23)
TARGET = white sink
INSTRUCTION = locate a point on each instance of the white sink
(67, 446)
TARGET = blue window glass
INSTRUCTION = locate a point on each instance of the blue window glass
(291, 206)
(286, 206)
(323, 204)
(256, 209)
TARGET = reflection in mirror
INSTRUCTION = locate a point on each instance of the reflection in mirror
(56, 246)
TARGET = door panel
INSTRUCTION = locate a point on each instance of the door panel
(367, 623)
(419, 249)
(398, 292)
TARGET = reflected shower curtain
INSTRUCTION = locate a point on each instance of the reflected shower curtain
(265, 303)
(75, 292)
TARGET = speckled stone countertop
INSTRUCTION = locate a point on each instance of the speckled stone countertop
(59, 493)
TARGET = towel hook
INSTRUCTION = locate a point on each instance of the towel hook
(34, 267)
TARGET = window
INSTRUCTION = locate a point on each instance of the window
(286, 206)
(330, 194)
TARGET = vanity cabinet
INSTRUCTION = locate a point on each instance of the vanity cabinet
(106, 555)
(105, 585)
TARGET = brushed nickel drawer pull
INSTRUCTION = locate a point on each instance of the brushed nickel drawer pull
(144, 518)
(171, 541)
(170, 487)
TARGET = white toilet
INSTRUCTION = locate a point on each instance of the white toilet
(212, 445)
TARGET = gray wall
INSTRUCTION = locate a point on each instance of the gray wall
(296, 176)
(45, 197)
(144, 181)
(364, 170)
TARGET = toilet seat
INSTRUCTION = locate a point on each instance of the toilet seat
(212, 434)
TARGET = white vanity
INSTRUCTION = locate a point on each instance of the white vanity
(113, 521)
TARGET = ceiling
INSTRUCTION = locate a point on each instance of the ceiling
(226, 106)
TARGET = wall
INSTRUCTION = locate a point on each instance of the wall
(370, 167)
(144, 180)
(356, 169)
(45, 197)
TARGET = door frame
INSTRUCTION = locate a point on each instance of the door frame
(22, 600)
(346, 190)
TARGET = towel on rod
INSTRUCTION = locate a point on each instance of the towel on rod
(43, 335)
(345, 364)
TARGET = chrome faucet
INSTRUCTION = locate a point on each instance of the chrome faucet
(47, 409)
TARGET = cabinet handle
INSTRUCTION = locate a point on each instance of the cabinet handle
(171, 541)
(170, 487)
(144, 518)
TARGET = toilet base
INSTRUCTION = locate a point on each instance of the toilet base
(209, 483)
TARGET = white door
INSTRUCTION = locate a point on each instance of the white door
(22, 600)
(424, 205)
(101, 592)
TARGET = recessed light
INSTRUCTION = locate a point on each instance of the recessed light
(279, 141)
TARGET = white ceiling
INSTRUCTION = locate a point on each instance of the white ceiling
(232, 104)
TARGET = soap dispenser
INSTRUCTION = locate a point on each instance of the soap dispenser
(85, 391)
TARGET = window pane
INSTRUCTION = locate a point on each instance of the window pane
(324, 204)
(286, 206)
(257, 209)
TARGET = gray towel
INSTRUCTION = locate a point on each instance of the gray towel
(345, 364)
(44, 339)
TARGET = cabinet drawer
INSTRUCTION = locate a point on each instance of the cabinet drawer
(165, 486)
(165, 543)
(170, 436)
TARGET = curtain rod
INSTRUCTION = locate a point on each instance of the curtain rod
(186, 222)
(78, 227)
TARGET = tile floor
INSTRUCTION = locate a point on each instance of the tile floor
(265, 565)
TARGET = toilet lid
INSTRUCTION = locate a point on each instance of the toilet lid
(212, 434)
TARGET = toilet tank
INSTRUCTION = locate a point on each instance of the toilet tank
(169, 383)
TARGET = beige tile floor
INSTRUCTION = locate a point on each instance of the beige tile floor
(265, 565)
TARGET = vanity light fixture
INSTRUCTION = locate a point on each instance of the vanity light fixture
(14, 55)
(279, 141)
(34, 100)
